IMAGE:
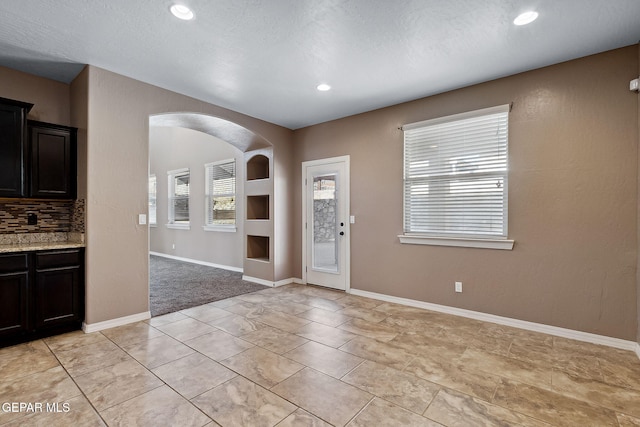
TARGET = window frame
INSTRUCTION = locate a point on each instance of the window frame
(153, 208)
(171, 177)
(470, 239)
(209, 195)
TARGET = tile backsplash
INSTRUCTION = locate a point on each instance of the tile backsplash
(53, 216)
(77, 216)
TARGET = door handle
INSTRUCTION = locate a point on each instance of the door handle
(342, 233)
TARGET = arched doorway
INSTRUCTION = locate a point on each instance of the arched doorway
(193, 157)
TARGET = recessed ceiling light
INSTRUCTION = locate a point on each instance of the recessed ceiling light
(323, 87)
(526, 18)
(181, 11)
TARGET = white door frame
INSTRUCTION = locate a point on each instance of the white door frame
(347, 194)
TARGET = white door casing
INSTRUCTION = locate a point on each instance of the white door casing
(325, 223)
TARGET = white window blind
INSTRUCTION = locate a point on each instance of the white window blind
(455, 175)
(179, 196)
(221, 193)
(153, 192)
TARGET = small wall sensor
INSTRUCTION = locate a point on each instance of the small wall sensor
(634, 85)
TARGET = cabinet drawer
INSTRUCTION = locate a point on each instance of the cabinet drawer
(57, 259)
(13, 263)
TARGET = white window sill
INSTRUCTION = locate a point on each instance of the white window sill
(221, 228)
(154, 225)
(179, 226)
(502, 244)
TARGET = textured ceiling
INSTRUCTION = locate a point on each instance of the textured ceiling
(265, 58)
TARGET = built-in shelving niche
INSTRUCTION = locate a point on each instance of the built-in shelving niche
(258, 207)
(258, 248)
(258, 167)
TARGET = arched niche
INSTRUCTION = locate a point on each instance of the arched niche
(258, 167)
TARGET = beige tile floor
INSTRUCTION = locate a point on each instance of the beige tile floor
(307, 356)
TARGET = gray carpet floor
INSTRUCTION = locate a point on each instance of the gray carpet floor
(176, 285)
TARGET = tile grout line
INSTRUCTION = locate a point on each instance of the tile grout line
(152, 373)
(340, 379)
(82, 393)
(440, 388)
(361, 409)
(238, 374)
(356, 367)
(496, 388)
(493, 394)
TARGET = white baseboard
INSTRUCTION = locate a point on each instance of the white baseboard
(99, 326)
(521, 324)
(267, 282)
(284, 282)
(195, 261)
(298, 281)
(258, 281)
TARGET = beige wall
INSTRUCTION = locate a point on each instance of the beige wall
(638, 263)
(573, 192)
(572, 199)
(51, 99)
(172, 148)
(117, 165)
(284, 188)
(79, 119)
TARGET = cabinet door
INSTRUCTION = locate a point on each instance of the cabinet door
(14, 288)
(12, 151)
(52, 162)
(57, 296)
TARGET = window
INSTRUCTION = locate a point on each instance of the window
(455, 180)
(153, 187)
(178, 198)
(220, 195)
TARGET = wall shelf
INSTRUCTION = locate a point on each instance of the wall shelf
(258, 216)
(258, 167)
(258, 207)
(258, 248)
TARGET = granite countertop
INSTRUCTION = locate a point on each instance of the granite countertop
(24, 247)
(40, 241)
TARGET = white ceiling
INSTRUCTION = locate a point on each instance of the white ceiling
(265, 58)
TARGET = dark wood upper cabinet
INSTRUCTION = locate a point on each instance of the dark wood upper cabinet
(37, 160)
(53, 161)
(13, 171)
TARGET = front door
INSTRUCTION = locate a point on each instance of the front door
(326, 227)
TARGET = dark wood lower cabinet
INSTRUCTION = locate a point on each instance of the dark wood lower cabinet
(57, 297)
(41, 294)
(14, 288)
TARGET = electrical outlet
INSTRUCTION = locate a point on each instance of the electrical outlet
(458, 286)
(32, 219)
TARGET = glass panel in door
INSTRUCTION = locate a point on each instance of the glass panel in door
(325, 230)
